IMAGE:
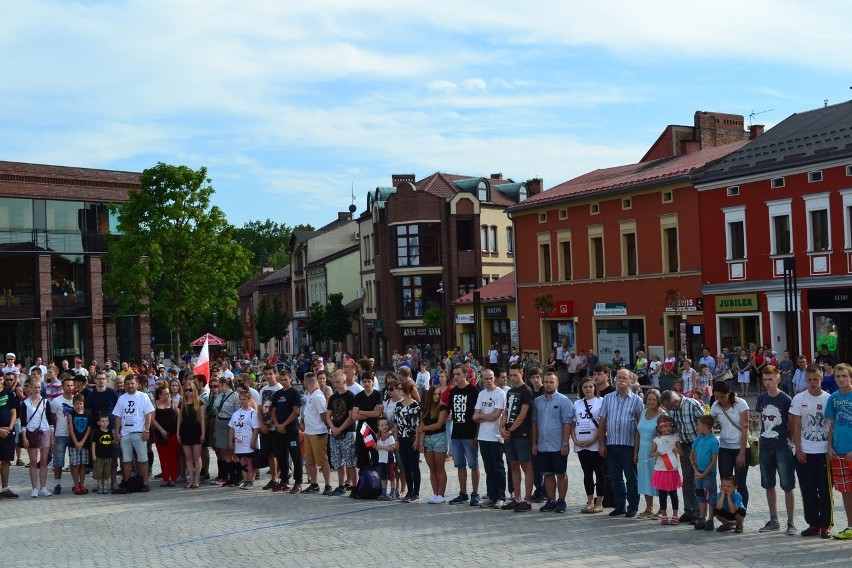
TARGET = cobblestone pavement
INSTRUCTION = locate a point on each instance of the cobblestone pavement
(214, 526)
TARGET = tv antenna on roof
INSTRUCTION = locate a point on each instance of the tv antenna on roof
(753, 114)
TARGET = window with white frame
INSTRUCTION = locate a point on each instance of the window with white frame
(510, 240)
(483, 237)
(818, 222)
(492, 241)
(482, 191)
(735, 233)
(780, 226)
(846, 194)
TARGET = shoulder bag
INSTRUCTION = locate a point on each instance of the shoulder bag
(753, 444)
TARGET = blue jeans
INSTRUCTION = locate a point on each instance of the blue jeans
(619, 461)
(495, 470)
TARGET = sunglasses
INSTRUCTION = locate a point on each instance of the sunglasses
(188, 391)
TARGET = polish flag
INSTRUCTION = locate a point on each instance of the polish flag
(367, 434)
(669, 460)
(202, 365)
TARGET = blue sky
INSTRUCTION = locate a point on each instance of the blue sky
(291, 105)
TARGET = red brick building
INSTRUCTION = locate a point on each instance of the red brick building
(613, 248)
(425, 243)
(54, 223)
(782, 201)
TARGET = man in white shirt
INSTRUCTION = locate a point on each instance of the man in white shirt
(489, 406)
(61, 407)
(351, 385)
(38, 364)
(316, 434)
(133, 414)
(10, 366)
(79, 369)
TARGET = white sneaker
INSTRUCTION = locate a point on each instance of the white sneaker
(432, 500)
(43, 492)
(439, 499)
(499, 503)
(34, 493)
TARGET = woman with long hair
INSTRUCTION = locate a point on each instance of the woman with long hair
(164, 426)
(225, 404)
(37, 433)
(432, 436)
(407, 415)
(587, 415)
(192, 428)
(731, 413)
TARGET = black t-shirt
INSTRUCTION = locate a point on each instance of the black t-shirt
(538, 393)
(462, 403)
(429, 420)
(339, 407)
(8, 403)
(606, 391)
(368, 403)
(101, 403)
(103, 444)
(516, 398)
(80, 422)
(283, 403)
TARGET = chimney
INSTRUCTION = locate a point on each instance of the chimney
(344, 215)
(266, 269)
(534, 186)
(498, 175)
(755, 130)
(397, 179)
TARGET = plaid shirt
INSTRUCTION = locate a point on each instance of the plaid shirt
(684, 418)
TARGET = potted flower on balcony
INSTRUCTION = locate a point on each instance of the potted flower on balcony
(544, 303)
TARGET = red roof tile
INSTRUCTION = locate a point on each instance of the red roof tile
(643, 173)
(500, 290)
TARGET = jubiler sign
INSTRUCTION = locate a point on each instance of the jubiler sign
(737, 303)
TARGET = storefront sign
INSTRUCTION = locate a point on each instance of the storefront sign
(464, 318)
(831, 298)
(611, 309)
(687, 305)
(561, 309)
(495, 312)
(420, 331)
(737, 303)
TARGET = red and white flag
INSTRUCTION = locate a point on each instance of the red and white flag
(669, 460)
(367, 434)
(202, 364)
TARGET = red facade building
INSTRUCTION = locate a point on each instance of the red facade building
(780, 205)
(617, 250)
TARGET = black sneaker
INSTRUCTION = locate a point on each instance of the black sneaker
(460, 498)
(312, 488)
(616, 513)
(270, 485)
(810, 531)
(510, 505)
(724, 527)
(538, 497)
(699, 524)
(548, 507)
(523, 507)
(328, 490)
(57, 490)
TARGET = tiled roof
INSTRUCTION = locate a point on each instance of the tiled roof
(643, 174)
(248, 288)
(500, 290)
(813, 136)
(42, 173)
(278, 277)
(441, 184)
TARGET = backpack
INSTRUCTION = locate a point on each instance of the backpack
(369, 484)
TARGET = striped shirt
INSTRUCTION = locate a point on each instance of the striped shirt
(685, 417)
(622, 416)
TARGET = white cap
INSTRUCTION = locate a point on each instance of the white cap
(10, 355)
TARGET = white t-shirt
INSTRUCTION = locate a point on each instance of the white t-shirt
(729, 435)
(244, 422)
(37, 415)
(132, 409)
(584, 428)
(383, 454)
(61, 407)
(487, 402)
(315, 405)
(423, 378)
(255, 396)
(355, 388)
(492, 356)
(390, 408)
(811, 409)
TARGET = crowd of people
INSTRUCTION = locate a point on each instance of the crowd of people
(630, 441)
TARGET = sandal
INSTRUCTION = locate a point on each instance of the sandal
(20, 463)
(673, 520)
(193, 486)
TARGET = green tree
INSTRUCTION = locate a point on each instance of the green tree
(315, 324)
(337, 324)
(175, 255)
(267, 242)
(229, 326)
(262, 321)
(279, 321)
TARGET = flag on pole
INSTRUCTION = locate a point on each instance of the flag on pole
(367, 434)
(669, 460)
(202, 365)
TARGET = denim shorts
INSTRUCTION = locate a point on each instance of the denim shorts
(519, 450)
(464, 455)
(59, 451)
(436, 443)
(133, 443)
(778, 461)
(705, 489)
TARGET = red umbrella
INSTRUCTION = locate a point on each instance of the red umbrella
(211, 340)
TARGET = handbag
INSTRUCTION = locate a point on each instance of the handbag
(728, 375)
(753, 443)
(34, 437)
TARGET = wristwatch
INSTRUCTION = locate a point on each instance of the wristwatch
(565, 445)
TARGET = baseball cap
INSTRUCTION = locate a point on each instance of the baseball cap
(10, 355)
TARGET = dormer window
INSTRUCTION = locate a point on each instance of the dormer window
(522, 193)
(482, 191)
